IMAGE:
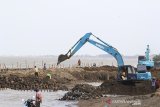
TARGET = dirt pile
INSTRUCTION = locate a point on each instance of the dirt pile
(25, 80)
(85, 91)
(81, 91)
(104, 68)
(30, 83)
(126, 87)
(96, 73)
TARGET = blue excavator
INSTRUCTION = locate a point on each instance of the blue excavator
(129, 70)
(145, 60)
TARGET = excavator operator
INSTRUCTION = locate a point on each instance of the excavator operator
(123, 75)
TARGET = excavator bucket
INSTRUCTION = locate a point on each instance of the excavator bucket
(62, 58)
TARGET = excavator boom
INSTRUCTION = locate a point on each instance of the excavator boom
(101, 45)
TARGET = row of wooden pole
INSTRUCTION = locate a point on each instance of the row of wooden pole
(26, 66)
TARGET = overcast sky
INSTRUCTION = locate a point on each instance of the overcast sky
(52, 27)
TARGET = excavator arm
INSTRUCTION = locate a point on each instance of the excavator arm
(101, 45)
(128, 69)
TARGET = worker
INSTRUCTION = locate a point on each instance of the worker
(36, 71)
(94, 64)
(123, 76)
(49, 76)
(38, 97)
(44, 67)
(79, 62)
(153, 84)
(157, 83)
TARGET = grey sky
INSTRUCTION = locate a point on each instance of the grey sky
(51, 27)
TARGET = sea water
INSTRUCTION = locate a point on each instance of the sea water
(14, 98)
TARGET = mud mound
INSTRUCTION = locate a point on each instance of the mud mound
(110, 87)
(30, 83)
(106, 68)
(94, 75)
(80, 91)
(126, 88)
(83, 88)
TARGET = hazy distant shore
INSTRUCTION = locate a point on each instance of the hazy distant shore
(51, 60)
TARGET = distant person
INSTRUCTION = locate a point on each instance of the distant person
(157, 83)
(36, 71)
(79, 62)
(38, 97)
(153, 84)
(94, 64)
(44, 67)
(49, 76)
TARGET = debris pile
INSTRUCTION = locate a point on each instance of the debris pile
(96, 73)
(81, 91)
(85, 91)
(126, 87)
(30, 83)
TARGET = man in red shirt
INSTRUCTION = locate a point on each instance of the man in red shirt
(38, 97)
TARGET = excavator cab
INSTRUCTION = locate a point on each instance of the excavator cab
(128, 72)
(133, 74)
